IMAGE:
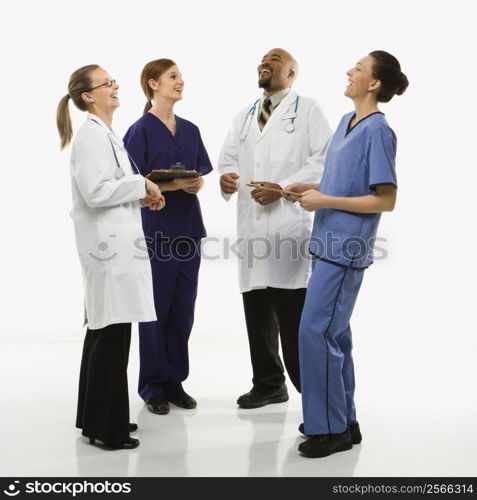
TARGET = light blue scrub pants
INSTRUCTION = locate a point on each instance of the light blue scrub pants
(326, 364)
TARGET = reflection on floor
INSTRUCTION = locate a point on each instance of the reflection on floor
(414, 422)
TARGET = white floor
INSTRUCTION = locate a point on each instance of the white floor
(415, 421)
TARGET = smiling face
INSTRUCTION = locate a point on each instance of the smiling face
(361, 82)
(104, 97)
(169, 85)
(277, 71)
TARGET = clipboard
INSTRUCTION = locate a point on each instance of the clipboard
(276, 190)
(166, 175)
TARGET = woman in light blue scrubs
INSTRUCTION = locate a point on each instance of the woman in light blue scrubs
(359, 182)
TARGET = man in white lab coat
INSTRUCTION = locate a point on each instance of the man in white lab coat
(279, 140)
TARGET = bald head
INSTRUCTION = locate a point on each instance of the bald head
(277, 71)
(287, 57)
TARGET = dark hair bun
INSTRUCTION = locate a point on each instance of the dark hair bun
(387, 70)
(403, 85)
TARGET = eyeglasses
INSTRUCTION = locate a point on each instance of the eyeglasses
(109, 83)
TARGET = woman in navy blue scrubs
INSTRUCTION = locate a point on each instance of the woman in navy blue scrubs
(359, 182)
(158, 140)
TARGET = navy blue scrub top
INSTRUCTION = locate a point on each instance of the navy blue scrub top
(358, 159)
(152, 146)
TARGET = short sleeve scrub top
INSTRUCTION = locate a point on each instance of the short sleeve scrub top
(173, 236)
(359, 159)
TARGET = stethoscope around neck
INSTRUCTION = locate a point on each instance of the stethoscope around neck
(290, 127)
(119, 171)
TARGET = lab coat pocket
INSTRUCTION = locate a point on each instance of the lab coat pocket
(287, 220)
(122, 248)
(284, 147)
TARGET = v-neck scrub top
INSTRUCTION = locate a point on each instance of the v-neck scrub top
(359, 158)
(153, 147)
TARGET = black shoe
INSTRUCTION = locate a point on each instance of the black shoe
(181, 399)
(356, 437)
(133, 427)
(256, 398)
(326, 444)
(128, 444)
(158, 405)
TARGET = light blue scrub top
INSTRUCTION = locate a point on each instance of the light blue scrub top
(358, 160)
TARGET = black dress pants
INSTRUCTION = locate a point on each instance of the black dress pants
(103, 399)
(270, 313)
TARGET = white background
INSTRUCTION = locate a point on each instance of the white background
(416, 309)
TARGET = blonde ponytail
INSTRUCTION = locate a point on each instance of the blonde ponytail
(80, 81)
(63, 122)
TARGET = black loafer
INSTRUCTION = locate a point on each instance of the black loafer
(133, 427)
(128, 444)
(181, 399)
(355, 432)
(326, 444)
(256, 398)
(158, 405)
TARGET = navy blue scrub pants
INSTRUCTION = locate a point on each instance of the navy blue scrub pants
(326, 363)
(163, 349)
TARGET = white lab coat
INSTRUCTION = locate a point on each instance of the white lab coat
(109, 236)
(266, 259)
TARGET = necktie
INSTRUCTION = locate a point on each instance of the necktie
(264, 113)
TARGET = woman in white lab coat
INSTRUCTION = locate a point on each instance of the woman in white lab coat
(116, 270)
